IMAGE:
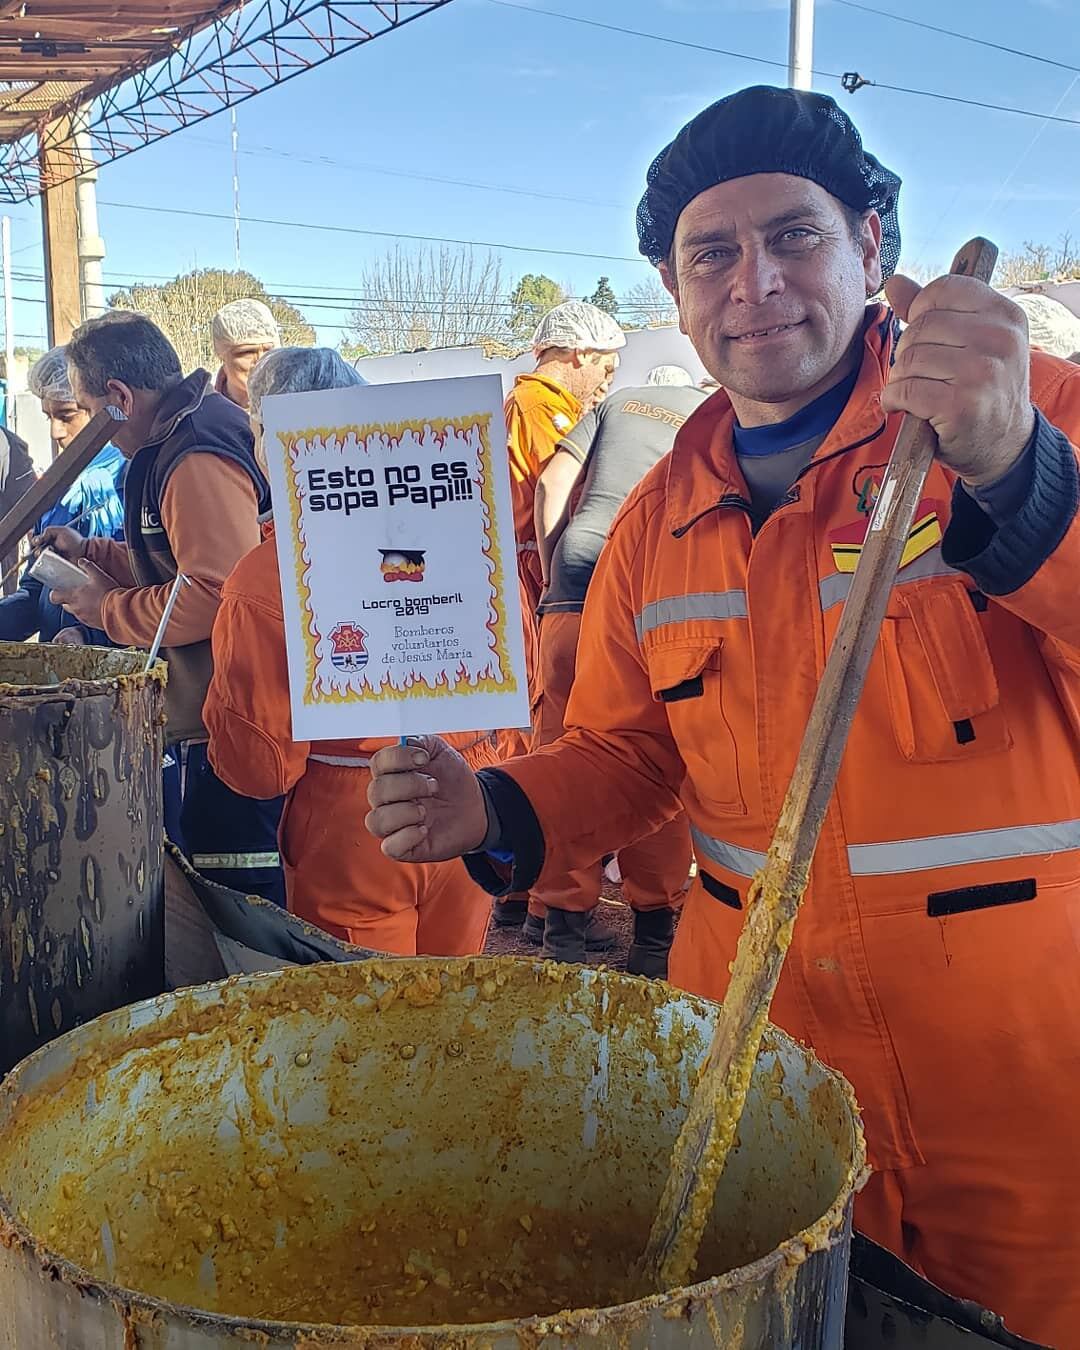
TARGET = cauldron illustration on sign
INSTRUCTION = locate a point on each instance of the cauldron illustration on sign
(402, 566)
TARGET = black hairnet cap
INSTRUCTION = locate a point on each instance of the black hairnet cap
(767, 130)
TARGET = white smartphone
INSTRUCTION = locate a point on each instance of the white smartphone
(56, 572)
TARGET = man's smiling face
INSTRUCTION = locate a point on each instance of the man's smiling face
(771, 274)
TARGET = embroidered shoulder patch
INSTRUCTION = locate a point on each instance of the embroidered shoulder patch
(847, 541)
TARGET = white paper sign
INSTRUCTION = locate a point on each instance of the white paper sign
(395, 540)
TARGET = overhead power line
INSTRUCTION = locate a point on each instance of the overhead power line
(373, 234)
(264, 151)
(851, 81)
(653, 37)
(962, 37)
(343, 298)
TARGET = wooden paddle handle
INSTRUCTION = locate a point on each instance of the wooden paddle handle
(56, 480)
(716, 1108)
(841, 685)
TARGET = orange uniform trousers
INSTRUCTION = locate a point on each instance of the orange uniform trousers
(980, 1229)
(338, 878)
(655, 868)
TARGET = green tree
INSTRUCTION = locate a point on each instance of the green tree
(184, 307)
(604, 297)
(533, 296)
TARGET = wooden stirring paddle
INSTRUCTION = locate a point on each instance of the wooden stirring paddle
(716, 1108)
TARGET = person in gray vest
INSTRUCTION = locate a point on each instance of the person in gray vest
(192, 497)
(604, 456)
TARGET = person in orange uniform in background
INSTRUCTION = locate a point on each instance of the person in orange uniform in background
(601, 460)
(576, 348)
(335, 875)
(935, 959)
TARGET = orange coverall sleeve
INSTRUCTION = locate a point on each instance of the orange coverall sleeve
(247, 711)
(616, 773)
(1030, 564)
(211, 516)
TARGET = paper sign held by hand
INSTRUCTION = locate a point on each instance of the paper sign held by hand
(395, 541)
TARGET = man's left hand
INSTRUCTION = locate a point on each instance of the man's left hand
(962, 365)
(85, 601)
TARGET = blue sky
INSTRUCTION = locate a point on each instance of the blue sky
(514, 99)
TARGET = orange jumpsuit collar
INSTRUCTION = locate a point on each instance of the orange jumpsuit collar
(703, 469)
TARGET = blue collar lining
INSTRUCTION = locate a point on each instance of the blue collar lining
(813, 421)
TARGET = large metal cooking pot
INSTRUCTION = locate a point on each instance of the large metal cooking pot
(374, 1136)
(81, 925)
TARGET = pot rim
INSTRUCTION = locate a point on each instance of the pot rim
(822, 1234)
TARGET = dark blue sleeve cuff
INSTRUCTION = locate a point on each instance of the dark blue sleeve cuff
(515, 856)
(1002, 558)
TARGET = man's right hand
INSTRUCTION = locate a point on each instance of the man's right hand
(62, 539)
(426, 802)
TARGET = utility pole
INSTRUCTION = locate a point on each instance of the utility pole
(801, 45)
(91, 244)
(235, 187)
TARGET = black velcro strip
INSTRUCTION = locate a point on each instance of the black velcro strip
(965, 732)
(688, 689)
(979, 602)
(943, 903)
(727, 895)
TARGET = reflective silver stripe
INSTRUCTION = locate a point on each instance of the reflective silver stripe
(917, 855)
(955, 850)
(744, 861)
(234, 861)
(529, 546)
(834, 589)
(686, 608)
(343, 761)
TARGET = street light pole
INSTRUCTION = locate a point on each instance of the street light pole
(801, 45)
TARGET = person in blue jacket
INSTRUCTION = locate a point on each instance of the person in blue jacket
(93, 505)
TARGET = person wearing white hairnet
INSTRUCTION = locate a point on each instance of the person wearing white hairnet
(673, 375)
(581, 488)
(92, 506)
(1052, 326)
(336, 876)
(242, 332)
(576, 346)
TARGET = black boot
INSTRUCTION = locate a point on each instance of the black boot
(599, 934)
(653, 932)
(532, 930)
(564, 936)
(509, 913)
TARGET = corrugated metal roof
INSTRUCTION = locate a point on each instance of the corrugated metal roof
(51, 50)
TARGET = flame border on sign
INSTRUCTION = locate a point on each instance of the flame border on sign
(488, 681)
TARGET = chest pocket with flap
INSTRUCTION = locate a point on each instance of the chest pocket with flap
(686, 676)
(943, 691)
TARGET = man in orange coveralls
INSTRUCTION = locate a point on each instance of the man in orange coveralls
(575, 346)
(335, 875)
(935, 961)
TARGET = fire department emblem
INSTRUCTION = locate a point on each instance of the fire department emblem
(347, 647)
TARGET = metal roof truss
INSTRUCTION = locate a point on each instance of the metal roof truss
(260, 44)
